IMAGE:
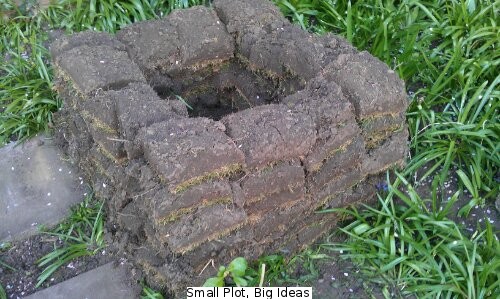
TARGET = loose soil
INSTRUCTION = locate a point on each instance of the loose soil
(22, 256)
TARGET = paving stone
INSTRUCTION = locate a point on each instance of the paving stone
(108, 281)
(271, 133)
(36, 187)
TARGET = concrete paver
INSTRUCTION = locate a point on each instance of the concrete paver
(104, 282)
(36, 187)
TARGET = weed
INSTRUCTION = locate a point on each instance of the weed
(4, 246)
(416, 249)
(81, 234)
(149, 293)
(236, 271)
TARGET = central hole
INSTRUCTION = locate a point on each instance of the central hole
(218, 90)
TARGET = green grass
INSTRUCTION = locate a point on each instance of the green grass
(81, 234)
(27, 99)
(149, 293)
(447, 52)
(3, 295)
(413, 248)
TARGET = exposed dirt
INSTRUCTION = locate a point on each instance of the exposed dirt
(22, 256)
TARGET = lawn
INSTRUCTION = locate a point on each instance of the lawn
(448, 54)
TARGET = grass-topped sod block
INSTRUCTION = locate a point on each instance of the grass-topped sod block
(269, 201)
(273, 224)
(362, 192)
(207, 224)
(272, 179)
(167, 207)
(241, 16)
(270, 133)
(203, 37)
(138, 106)
(345, 160)
(102, 163)
(165, 45)
(285, 51)
(392, 152)
(85, 38)
(321, 194)
(186, 152)
(376, 129)
(71, 133)
(153, 45)
(333, 115)
(220, 251)
(91, 68)
(99, 113)
(369, 84)
(301, 237)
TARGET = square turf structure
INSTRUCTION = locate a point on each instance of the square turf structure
(217, 132)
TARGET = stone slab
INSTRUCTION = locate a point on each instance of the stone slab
(36, 187)
(108, 281)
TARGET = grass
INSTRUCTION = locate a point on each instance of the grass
(81, 234)
(413, 248)
(3, 247)
(447, 52)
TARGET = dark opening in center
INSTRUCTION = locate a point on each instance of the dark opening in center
(218, 90)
